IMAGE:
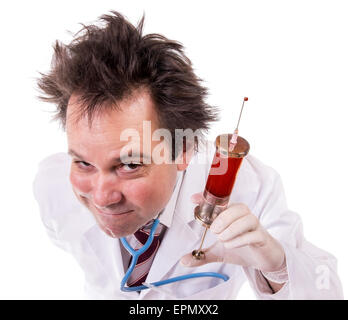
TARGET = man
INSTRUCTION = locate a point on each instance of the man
(122, 97)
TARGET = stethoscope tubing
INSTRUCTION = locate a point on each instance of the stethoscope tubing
(136, 254)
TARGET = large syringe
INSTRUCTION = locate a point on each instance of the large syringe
(229, 153)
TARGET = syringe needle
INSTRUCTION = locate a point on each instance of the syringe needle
(240, 113)
(234, 137)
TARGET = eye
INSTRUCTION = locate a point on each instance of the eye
(130, 167)
(82, 164)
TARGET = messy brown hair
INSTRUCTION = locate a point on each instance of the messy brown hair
(106, 64)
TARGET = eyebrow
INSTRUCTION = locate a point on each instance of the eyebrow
(134, 154)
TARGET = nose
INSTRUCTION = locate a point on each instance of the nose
(107, 191)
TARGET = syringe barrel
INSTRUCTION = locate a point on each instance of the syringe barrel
(221, 179)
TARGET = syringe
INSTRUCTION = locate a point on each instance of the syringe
(230, 151)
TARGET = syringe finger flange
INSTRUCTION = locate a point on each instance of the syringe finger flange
(198, 254)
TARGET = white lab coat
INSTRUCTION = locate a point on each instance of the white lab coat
(312, 271)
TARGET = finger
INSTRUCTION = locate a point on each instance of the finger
(211, 254)
(228, 216)
(249, 238)
(197, 197)
(244, 224)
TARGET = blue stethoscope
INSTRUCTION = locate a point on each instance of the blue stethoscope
(135, 255)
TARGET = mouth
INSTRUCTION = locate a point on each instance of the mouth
(111, 213)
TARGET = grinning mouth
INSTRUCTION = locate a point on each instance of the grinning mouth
(109, 213)
(112, 213)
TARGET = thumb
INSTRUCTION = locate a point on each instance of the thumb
(211, 255)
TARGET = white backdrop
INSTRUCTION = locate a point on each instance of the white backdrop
(288, 57)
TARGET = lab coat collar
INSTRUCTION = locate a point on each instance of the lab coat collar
(166, 216)
(81, 220)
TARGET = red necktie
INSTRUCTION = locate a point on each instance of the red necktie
(145, 260)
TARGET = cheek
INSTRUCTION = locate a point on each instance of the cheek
(146, 196)
(80, 183)
(139, 192)
(150, 194)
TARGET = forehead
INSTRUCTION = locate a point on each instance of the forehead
(128, 114)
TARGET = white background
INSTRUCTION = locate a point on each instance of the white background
(288, 57)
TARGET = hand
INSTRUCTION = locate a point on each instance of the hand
(240, 240)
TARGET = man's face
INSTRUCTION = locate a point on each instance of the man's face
(121, 196)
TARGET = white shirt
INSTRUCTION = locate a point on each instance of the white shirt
(312, 272)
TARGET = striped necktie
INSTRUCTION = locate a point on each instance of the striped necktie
(145, 260)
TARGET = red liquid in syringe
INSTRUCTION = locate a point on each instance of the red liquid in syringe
(223, 171)
(220, 185)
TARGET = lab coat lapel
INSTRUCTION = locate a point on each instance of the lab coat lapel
(107, 255)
